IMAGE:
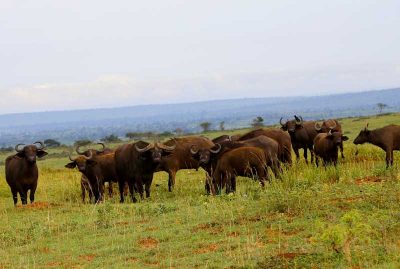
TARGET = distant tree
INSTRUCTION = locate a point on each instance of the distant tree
(258, 122)
(6, 149)
(222, 125)
(51, 143)
(205, 126)
(83, 142)
(178, 131)
(381, 106)
(111, 139)
(132, 135)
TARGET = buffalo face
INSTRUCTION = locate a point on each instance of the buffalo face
(31, 152)
(292, 125)
(362, 137)
(204, 155)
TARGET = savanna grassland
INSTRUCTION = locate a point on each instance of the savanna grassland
(344, 217)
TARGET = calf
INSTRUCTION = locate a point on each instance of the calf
(326, 146)
(97, 169)
(243, 161)
(330, 125)
(387, 138)
(22, 171)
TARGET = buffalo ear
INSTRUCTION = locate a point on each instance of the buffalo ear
(41, 153)
(71, 165)
(344, 138)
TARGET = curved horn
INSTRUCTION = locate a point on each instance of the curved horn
(78, 151)
(104, 147)
(193, 151)
(217, 150)
(17, 148)
(72, 159)
(366, 126)
(280, 121)
(146, 148)
(330, 132)
(317, 127)
(165, 147)
(299, 120)
(40, 143)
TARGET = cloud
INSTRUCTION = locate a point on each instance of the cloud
(123, 90)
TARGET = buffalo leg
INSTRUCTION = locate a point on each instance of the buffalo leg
(148, 181)
(121, 186)
(310, 148)
(23, 194)
(15, 195)
(32, 193)
(110, 189)
(305, 154)
(171, 180)
(132, 191)
(83, 192)
(388, 157)
(233, 184)
(341, 149)
(296, 151)
(317, 161)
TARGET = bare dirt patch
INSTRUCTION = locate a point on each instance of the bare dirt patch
(207, 249)
(211, 227)
(37, 205)
(233, 234)
(368, 180)
(132, 260)
(148, 243)
(88, 257)
(54, 264)
(290, 255)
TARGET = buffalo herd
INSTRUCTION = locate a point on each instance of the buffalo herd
(224, 158)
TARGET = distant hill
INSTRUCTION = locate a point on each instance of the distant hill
(68, 126)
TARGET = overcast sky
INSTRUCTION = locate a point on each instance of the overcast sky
(57, 55)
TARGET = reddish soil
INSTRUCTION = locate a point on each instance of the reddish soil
(233, 234)
(212, 228)
(148, 243)
(207, 249)
(290, 255)
(368, 180)
(89, 257)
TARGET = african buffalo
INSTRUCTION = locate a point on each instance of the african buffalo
(243, 161)
(330, 125)
(22, 171)
(302, 134)
(208, 157)
(280, 136)
(136, 163)
(326, 146)
(387, 138)
(97, 168)
(180, 157)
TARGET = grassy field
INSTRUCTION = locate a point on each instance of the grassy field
(344, 217)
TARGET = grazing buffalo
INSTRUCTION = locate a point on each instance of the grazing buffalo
(208, 157)
(243, 161)
(326, 146)
(330, 125)
(97, 169)
(302, 134)
(280, 136)
(387, 138)
(22, 171)
(136, 163)
(180, 157)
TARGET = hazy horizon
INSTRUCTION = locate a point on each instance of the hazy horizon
(80, 55)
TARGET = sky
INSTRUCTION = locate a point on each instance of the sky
(63, 55)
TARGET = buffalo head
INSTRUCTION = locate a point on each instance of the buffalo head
(363, 136)
(337, 137)
(156, 150)
(81, 162)
(31, 152)
(204, 155)
(292, 125)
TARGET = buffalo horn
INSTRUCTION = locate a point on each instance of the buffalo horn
(146, 148)
(317, 127)
(17, 147)
(194, 150)
(280, 121)
(40, 143)
(104, 147)
(217, 150)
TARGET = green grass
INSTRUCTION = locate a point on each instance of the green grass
(313, 218)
